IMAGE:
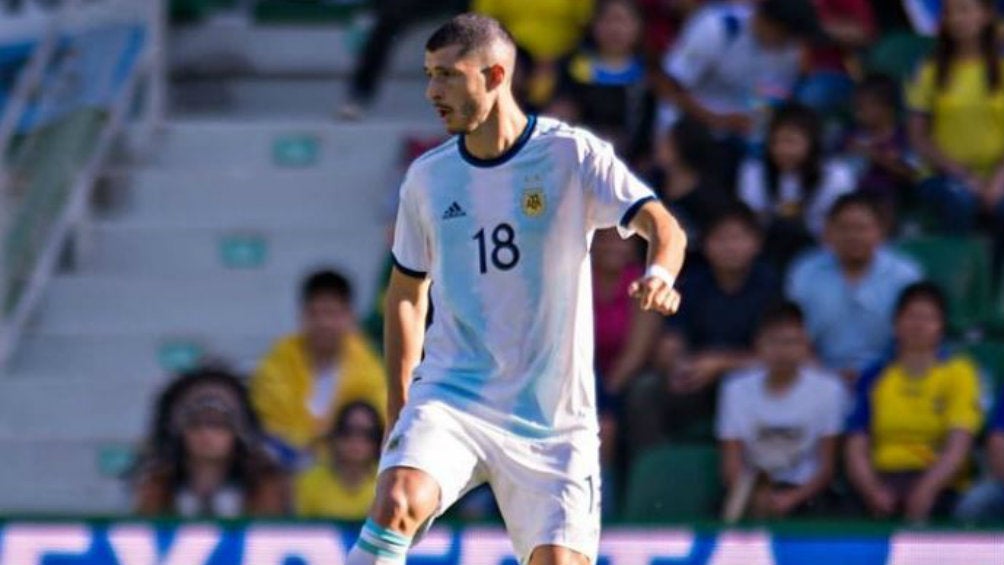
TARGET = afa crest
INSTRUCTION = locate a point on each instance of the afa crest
(534, 202)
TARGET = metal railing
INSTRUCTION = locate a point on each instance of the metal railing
(72, 86)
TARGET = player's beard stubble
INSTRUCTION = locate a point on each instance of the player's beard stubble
(468, 116)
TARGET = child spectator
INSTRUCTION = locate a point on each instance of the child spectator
(915, 416)
(985, 501)
(624, 334)
(342, 484)
(780, 421)
(848, 289)
(793, 187)
(731, 62)
(603, 87)
(545, 31)
(881, 144)
(307, 377)
(687, 177)
(957, 122)
(204, 458)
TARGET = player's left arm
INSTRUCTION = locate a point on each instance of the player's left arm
(667, 246)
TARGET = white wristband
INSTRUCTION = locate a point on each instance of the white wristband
(660, 273)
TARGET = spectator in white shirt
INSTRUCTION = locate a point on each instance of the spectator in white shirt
(794, 186)
(731, 62)
(778, 422)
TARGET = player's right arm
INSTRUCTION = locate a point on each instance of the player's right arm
(407, 300)
(407, 304)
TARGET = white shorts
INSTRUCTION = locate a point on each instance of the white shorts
(547, 490)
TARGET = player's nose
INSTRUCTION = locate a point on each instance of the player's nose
(432, 93)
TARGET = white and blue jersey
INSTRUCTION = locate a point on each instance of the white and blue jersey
(506, 244)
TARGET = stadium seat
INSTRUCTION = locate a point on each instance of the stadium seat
(898, 54)
(189, 11)
(995, 314)
(958, 265)
(990, 356)
(674, 483)
(305, 12)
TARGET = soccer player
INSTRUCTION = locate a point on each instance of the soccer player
(500, 388)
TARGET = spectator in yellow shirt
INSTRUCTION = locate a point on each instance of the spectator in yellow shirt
(911, 431)
(957, 121)
(307, 377)
(545, 31)
(342, 485)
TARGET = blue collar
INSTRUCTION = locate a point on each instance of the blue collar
(524, 137)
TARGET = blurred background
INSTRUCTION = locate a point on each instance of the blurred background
(196, 205)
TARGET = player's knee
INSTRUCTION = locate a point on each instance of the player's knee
(405, 505)
(557, 555)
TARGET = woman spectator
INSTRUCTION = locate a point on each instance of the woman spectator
(793, 187)
(342, 484)
(603, 87)
(205, 458)
(915, 416)
(957, 122)
(624, 334)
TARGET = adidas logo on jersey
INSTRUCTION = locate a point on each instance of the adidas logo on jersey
(454, 211)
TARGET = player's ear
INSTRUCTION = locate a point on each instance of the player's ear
(495, 75)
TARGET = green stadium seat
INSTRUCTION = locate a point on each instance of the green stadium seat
(960, 266)
(990, 356)
(995, 314)
(305, 11)
(188, 11)
(674, 483)
(898, 54)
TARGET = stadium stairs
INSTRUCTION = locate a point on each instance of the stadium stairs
(196, 248)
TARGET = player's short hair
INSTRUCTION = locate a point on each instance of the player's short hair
(882, 88)
(736, 212)
(325, 282)
(856, 200)
(923, 291)
(785, 313)
(470, 32)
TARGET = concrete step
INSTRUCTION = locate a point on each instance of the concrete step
(127, 357)
(58, 477)
(243, 146)
(233, 304)
(239, 45)
(250, 97)
(303, 199)
(56, 407)
(129, 251)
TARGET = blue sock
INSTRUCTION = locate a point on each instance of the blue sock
(378, 546)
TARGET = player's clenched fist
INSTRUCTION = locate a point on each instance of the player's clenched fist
(655, 293)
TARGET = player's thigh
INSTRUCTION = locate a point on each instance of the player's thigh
(557, 555)
(428, 454)
(549, 494)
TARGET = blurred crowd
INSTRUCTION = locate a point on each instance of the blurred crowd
(839, 167)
